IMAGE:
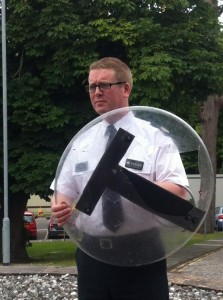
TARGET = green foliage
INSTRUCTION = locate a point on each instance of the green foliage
(174, 48)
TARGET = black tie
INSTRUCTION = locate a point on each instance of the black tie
(111, 202)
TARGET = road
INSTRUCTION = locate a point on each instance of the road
(42, 232)
(42, 224)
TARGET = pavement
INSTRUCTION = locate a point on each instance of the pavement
(199, 265)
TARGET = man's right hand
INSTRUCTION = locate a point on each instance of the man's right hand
(61, 211)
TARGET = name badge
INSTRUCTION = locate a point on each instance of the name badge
(81, 167)
(134, 164)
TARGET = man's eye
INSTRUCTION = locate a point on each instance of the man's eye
(104, 86)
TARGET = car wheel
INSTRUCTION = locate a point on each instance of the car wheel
(219, 227)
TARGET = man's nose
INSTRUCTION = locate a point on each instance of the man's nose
(97, 90)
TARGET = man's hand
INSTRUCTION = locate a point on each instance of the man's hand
(61, 209)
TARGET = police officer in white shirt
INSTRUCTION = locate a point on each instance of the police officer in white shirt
(110, 84)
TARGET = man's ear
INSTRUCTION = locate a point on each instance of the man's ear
(128, 89)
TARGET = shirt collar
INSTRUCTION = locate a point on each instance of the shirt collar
(121, 123)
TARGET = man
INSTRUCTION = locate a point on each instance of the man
(110, 85)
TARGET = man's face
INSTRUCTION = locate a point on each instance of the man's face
(107, 100)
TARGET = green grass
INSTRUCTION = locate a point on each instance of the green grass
(61, 253)
(56, 253)
(198, 237)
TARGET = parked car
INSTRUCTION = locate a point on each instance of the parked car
(55, 231)
(30, 225)
(219, 218)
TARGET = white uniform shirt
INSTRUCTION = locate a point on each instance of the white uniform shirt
(161, 162)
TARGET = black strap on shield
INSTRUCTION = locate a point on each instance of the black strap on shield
(135, 188)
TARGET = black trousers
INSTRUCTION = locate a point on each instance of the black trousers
(101, 281)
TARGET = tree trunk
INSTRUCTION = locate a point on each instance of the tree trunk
(17, 205)
(18, 247)
(209, 116)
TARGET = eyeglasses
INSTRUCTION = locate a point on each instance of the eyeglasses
(104, 86)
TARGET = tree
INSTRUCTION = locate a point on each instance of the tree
(179, 53)
(200, 76)
(170, 47)
(209, 116)
(44, 74)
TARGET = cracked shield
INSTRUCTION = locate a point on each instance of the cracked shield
(131, 200)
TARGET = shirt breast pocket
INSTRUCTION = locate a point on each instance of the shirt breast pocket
(139, 163)
(82, 171)
(138, 166)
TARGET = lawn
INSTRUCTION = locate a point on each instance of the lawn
(61, 253)
(56, 253)
(198, 237)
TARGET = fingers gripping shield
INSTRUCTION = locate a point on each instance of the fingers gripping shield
(117, 183)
